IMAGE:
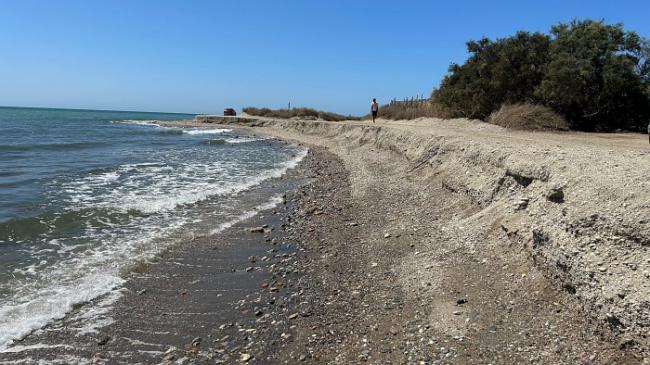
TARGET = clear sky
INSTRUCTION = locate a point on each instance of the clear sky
(201, 56)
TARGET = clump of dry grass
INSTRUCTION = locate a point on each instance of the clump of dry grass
(306, 113)
(529, 117)
(412, 109)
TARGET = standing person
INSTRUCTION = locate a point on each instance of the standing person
(374, 109)
(648, 132)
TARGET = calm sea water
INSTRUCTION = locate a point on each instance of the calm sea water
(85, 194)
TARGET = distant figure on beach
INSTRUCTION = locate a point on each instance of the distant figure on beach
(374, 109)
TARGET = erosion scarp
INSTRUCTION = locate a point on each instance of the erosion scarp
(574, 205)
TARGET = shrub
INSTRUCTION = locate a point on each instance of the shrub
(527, 117)
(412, 109)
(497, 72)
(593, 77)
(597, 76)
(305, 113)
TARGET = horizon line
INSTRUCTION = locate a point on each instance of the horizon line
(93, 110)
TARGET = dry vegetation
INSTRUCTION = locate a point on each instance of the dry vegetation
(412, 109)
(304, 113)
(527, 117)
(522, 116)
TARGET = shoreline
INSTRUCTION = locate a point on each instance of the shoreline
(489, 289)
(392, 264)
(194, 300)
(75, 337)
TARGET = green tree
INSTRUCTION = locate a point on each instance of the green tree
(595, 76)
(644, 64)
(503, 71)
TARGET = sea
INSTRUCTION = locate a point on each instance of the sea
(87, 194)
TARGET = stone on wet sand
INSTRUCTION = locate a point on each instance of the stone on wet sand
(103, 340)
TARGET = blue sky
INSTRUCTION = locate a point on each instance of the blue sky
(201, 56)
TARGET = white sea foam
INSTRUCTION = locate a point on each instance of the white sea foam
(94, 317)
(38, 346)
(205, 131)
(181, 130)
(138, 122)
(20, 319)
(272, 203)
(51, 290)
(198, 192)
(61, 360)
(189, 184)
(245, 140)
(79, 279)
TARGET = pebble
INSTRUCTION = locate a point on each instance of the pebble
(103, 340)
(244, 357)
(169, 357)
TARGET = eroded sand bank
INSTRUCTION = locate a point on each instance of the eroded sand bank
(506, 246)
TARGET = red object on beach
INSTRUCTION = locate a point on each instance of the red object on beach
(229, 112)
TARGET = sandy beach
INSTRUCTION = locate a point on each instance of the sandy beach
(324, 182)
(401, 243)
(468, 243)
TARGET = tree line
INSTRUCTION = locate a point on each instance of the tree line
(595, 75)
